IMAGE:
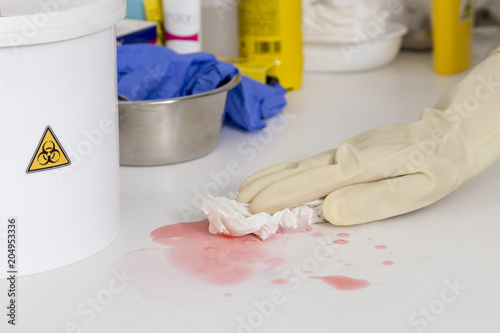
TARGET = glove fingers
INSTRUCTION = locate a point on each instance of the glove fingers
(300, 187)
(262, 179)
(249, 192)
(367, 202)
(265, 172)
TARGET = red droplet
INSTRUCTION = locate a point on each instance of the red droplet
(341, 241)
(340, 282)
(279, 281)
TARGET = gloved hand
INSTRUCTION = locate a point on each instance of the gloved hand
(394, 169)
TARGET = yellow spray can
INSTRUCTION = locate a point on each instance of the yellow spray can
(453, 23)
(272, 29)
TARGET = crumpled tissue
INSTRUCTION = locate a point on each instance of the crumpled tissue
(232, 218)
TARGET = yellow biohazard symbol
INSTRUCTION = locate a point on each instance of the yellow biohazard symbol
(465, 10)
(49, 154)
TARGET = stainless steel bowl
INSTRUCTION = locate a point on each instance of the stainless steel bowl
(171, 130)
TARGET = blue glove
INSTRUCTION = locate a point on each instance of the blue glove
(148, 72)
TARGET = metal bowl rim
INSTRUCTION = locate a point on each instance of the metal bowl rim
(228, 86)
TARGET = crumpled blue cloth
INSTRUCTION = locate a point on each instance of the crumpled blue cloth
(148, 72)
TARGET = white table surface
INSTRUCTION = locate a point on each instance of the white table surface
(454, 241)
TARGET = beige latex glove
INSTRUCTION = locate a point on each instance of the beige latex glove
(394, 169)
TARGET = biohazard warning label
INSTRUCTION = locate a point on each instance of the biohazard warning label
(465, 9)
(49, 154)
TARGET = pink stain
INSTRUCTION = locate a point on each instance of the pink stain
(219, 260)
(340, 282)
(343, 235)
(317, 234)
(227, 295)
(381, 247)
(279, 281)
(341, 241)
(347, 265)
(388, 262)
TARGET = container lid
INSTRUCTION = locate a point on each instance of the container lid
(29, 22)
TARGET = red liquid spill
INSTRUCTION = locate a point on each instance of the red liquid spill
(381, 247)
(317, 234)
(279, 281)
(343, 235)
(340, 282)
(219, 260)
(388, 263)
(341, 241)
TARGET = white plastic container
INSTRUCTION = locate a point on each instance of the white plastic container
(59, 128)
(182, 23)
(334, 55)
